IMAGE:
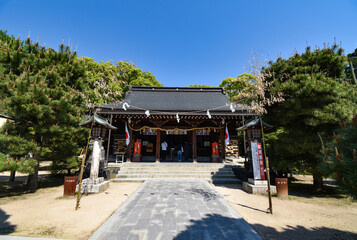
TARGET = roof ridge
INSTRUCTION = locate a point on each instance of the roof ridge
(181, 89)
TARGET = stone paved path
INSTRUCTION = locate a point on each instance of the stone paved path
(175, 209)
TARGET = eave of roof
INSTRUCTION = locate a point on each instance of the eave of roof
(253, 123)
(96, 119)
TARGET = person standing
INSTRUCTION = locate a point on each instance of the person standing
(163, 150)
(179, 152)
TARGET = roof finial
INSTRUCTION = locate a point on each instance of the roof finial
(208, 114)
(232, 108)
(125, 105)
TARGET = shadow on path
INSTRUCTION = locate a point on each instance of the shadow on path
(300, 232)
(215, 226)
(205, 194)
(5, 226)
(256, 209)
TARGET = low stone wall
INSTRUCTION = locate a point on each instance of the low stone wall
(114, 169)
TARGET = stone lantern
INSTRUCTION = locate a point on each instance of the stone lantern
(253, 136)
(99, 125)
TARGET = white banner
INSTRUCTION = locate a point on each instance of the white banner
(255, 160)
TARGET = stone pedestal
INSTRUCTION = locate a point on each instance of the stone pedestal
(93, 185)
(258, 187)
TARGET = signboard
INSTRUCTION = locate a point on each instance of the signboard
(202, 132)
(257, 158)
(176, 132)
(148, 131)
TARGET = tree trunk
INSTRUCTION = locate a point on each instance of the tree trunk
(32, 180)
(318, 182)
(12, 176)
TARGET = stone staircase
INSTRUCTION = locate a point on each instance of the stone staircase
(213, 172)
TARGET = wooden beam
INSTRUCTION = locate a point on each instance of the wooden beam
(158, 145)
(194, 146)
(109, 136)
(223, 143)
(244, 140)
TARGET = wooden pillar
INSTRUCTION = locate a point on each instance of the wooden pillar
(128, 151)
(109, 136)
(244, 142)
(158, 145)
(223, 143)
(194, 146)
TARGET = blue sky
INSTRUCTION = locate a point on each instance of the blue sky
(188, 41)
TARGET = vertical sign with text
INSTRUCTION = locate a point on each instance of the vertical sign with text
(261, 162)
(257, 159)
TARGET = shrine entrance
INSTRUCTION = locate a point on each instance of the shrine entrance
(175, 138)
(197, 118)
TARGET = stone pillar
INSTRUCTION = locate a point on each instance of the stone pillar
(158, 145)
(194, 146)
(94, 170)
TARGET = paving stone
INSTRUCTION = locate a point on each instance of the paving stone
(169, 224)
(175, 209)
(142, 224)
(168, 235)
(133, 236)
(169, 215)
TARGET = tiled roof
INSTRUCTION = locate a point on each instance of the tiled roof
(175, 99)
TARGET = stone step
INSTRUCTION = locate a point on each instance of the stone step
(225, 180)
(127, 171)
(179, 165)
(175, 166)
(174, 176)
(178, 169)
(214, 180)
(213, 172)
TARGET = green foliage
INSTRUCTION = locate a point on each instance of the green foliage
(5, 38)
(134, 76)
(340, 158)
(352, 59)
(234, 86)
(108, 83)
(16, 149)
(317, 99)
(41, 93)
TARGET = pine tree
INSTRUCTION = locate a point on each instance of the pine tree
(317, 99)
(340, 158)
(40, 90)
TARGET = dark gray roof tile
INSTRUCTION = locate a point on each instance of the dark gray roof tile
(175, 99)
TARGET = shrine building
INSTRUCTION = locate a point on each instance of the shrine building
(196, 118)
